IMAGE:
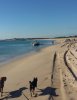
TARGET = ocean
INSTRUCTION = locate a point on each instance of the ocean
(10, 49)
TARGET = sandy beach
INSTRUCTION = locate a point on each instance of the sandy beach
(55, 68)
(19, 72)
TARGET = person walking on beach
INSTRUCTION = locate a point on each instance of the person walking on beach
(2, 81)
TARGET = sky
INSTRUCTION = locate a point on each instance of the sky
(37, 18)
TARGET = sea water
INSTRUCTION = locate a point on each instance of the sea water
(10, 49)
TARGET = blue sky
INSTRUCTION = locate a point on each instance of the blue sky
(37, 18)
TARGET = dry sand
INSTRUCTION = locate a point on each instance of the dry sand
(55, 67)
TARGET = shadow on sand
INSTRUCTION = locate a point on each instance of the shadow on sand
(49, 91)
(14, 94)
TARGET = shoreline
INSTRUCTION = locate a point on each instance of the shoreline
(24, 56)
(21, 56)
(5, 60)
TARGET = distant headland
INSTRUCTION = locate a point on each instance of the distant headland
(13, 39)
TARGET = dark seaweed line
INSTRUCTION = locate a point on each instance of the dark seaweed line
(54, 60)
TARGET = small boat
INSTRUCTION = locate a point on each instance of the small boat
(36, 43)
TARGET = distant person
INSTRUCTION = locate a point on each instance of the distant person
(2, 81)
